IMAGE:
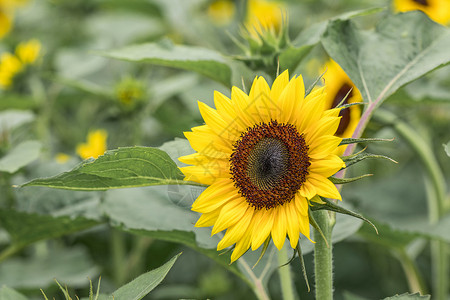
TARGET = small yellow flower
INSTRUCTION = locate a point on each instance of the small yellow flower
(221, 12)
(437, 10)
(10, 65)
(62, 158)
(28, 52)
(338, 84)
(263, 15)
(95, 145)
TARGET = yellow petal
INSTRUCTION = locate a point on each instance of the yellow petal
(293, 227)
(230, 214)
(262, 230)
(235, 232)
(324, 186)
(208, 219)
(226, 109)
(307, 190)
(241, 246)
(326, 166)
(301, 204)
(279, 227)
(323, 146)
(215, 196)
(216, 123)
(279, 85)
(325, 126)
(206, 142)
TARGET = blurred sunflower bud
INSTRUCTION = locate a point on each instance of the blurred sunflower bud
(130, 93)
(221, 12)
(266, 33)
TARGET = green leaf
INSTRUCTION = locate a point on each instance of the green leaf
(201, 60)
(7, 293)
(355, 158)
(26, 228)
(329, 205)
(407, 296)
(347, 141)
(144, 284)
(336, 180)
(402, 48)
(291, 57)
(119, 168)
(20, 156)
(71, 266)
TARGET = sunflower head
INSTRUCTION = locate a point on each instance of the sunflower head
(265, 156)
(437, 10)
(340, 89)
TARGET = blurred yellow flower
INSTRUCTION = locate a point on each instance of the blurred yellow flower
(338, 84)
(95, 145)
(28, 52)
(5, 22)
(263, 15)
(437, 10)
(221, 12)
(62, 158)
(7, 8)
(10, 64)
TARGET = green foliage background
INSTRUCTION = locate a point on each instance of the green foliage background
(174, 54)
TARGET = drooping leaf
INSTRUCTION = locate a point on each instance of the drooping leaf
(26, 228)
(7, 293)
(20, 156)
(71, 266)
(403, 48)
(201, 60)
(119, 168)
(144, 284)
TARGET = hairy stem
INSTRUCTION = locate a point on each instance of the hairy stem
(323, 256)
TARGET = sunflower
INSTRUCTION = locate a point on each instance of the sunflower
(265, 157)
(437, 10)
(339, 86)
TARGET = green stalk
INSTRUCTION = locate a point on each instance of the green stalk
(413, 276)
(118, 256)
(287, 287)
(323, 256)
(436, 197)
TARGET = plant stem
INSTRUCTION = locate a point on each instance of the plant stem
(118, 256)
(436, 198)
(323, 256)
(415, 279)
(287, 287)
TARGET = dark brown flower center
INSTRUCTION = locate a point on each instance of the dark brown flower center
(422, 2)
(269, 164)
(344, 113)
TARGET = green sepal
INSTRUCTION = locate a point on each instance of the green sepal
(344, 106)
(263, 251)
(340, 104)
(314, 224)
(310, 88)
(347, 180)
(347, 141)
(302, 263)
(329, 205)
(298, 252)
(357, 157)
